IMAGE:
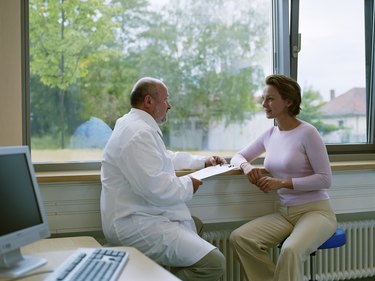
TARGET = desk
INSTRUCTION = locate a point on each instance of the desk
(57, 250)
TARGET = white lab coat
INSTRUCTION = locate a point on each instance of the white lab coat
(143, 202)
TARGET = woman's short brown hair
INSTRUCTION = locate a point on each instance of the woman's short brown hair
(288, 88)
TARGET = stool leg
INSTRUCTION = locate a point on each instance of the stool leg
(312, 266)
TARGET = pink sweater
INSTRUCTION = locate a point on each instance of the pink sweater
(298, 154)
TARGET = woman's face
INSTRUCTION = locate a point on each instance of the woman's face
(273, 104)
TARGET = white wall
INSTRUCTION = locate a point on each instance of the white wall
(10, 73)
(74, 207)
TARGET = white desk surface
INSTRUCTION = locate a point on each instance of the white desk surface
(56, 250)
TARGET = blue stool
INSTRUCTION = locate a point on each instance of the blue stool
(338, 239)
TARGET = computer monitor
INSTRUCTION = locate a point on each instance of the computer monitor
(22, 215)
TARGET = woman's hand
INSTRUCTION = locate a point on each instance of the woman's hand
(267, 184)
(254, 175)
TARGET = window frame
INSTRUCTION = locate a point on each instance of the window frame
(286, 44)
(294, 40)
(370, 71)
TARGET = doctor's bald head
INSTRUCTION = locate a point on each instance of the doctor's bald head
(151, 95)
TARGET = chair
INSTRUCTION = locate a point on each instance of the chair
(338, 239)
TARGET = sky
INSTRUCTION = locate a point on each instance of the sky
(332, 45)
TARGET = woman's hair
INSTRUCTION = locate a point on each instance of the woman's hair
(289, 89)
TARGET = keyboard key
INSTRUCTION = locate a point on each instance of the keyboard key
(91, 264)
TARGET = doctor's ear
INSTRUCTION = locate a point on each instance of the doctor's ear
(148, 99)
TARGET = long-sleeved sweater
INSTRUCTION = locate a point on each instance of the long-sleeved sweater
(299, 155)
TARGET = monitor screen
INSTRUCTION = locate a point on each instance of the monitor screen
(22, 215)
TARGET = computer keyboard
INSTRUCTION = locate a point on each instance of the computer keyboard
(91, 264)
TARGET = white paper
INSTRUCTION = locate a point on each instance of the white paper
(212, 171)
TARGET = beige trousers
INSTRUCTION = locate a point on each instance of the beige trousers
(304, 228)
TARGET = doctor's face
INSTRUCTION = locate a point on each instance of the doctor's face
(160, 104)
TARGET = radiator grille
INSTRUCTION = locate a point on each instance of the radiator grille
(354, 260)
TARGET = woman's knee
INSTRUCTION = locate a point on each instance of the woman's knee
(240, 239)
(292, 251)
(235, 237)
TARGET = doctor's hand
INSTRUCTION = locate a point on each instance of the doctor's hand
(215, 160)
(196, 184)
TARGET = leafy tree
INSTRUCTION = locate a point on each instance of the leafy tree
(105, 89)
(65, 37)
(210, 63)
(312, 101)
(43, 103)
(210, 60)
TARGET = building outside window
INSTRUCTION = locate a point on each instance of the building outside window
(332, 64)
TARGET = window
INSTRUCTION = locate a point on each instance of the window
(213, 55)
(85, 57)
(330, 61)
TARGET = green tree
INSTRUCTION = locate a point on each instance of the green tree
(65, 37)
(210, 60)
(43, 103)
(312, 101)
(211, 64)
(105, 89)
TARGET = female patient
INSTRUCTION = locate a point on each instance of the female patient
(297, 160)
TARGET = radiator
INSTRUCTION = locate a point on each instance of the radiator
(353, 260)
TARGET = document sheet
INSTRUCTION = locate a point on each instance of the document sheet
(212, 171)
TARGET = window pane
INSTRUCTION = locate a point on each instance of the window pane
(85, 57)
(331, 68)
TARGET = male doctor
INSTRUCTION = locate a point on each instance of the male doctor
(143, 202)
